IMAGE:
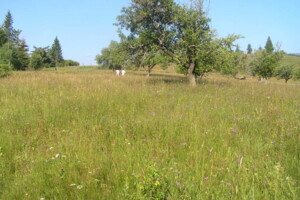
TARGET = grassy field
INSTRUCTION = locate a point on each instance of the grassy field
(81, 133)
(291, 60)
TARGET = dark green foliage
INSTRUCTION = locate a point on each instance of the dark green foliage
(269, 45)
(18, 57)
(6, 56)
(249, 49)
(56, 52)
(22, 55)
(284, 72)
(3, 38)
(36, 61)
(67, 63)
(40, 58)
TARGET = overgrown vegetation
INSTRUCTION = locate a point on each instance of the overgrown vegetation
(81, 133)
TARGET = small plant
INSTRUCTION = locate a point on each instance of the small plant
(151, 186)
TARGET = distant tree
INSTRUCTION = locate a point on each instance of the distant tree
(230, 62)
(237, 49)
(40, 58)
(249, 49)
(56, 52)
(284, 72)
(36, 61)
(264, 63)
(67, 63)
(11, 34)
(269, 45)
(112, 57)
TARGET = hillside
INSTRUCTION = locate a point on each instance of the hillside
(291, 60)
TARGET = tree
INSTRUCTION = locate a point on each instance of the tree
(284, 72)
(19, 58)
(6, 54)
(269, 46)
(296, 74)
(40, 57)
(56, 52)
(68, 63)
(264, 63)
(249, 49)
(181, 32)
(36, 61)
(113, 57)
(22, 55)
(3, 37)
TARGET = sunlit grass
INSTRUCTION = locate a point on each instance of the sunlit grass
(86, 134)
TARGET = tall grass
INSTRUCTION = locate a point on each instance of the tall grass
(87, 134)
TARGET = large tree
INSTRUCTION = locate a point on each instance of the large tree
(9, 37)
(180, 31)
(56, 52)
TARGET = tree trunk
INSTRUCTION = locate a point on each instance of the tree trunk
(191, 75)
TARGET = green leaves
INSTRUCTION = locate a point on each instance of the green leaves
(265, 63)
(56, 52)
(284, 72)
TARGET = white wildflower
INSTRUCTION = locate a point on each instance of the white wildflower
(79, 187)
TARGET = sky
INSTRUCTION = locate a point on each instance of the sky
(84, 27)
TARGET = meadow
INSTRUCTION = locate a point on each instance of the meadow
(82, 133)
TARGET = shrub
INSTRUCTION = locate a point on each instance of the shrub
(296, 74)
(284, 72)
(5, 70)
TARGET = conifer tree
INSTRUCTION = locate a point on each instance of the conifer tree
(56, 52)
(11, 33)
(9, 37)
(249, 49)
(269, 46)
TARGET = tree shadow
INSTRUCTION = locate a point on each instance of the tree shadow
(168, 78)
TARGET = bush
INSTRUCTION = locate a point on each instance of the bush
(68, 63)
(284, 72)
(296, 74)
(5, 69)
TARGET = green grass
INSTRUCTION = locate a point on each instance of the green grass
(87, 134)
(291, 60)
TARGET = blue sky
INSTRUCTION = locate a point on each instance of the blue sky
(84, 27)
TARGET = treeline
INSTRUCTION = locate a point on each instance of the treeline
(163, 31)
(14, 52)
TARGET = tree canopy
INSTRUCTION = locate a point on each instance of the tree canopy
(56, 52)
(180, 31)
